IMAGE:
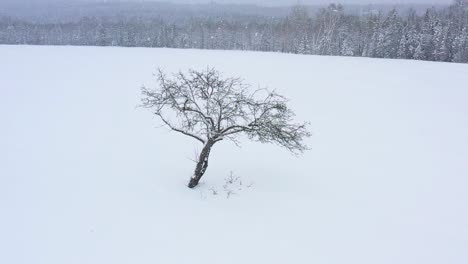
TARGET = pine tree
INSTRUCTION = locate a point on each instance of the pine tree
(299, 20)
(389, 36)
(403, 47)
(419, 53)
(461, 47)
(426, 37)
(347, 48)
(440, 52)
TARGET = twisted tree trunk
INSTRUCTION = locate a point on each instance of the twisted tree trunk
(202, 164)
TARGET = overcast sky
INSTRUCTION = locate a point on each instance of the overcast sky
(260, 2)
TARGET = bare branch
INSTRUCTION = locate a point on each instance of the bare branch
(208, 107)
(180, 130)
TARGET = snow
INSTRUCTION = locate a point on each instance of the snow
(87, 177)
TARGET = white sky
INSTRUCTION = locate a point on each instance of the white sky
(263, 2)
(344, 2)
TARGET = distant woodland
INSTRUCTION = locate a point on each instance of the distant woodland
(432, 33)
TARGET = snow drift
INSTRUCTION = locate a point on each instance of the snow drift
(87, 177)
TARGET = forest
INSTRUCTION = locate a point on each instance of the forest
(435, 34)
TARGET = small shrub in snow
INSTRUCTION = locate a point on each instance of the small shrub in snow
(233, 185)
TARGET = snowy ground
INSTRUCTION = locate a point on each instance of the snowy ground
(86, 177)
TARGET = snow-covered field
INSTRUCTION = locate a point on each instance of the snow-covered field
(87, 177)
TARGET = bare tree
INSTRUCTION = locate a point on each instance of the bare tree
(209, 108)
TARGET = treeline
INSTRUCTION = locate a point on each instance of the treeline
(436, 35)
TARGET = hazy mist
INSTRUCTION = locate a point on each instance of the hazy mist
(256, 2)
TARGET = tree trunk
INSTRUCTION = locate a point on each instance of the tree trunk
(202, 164)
